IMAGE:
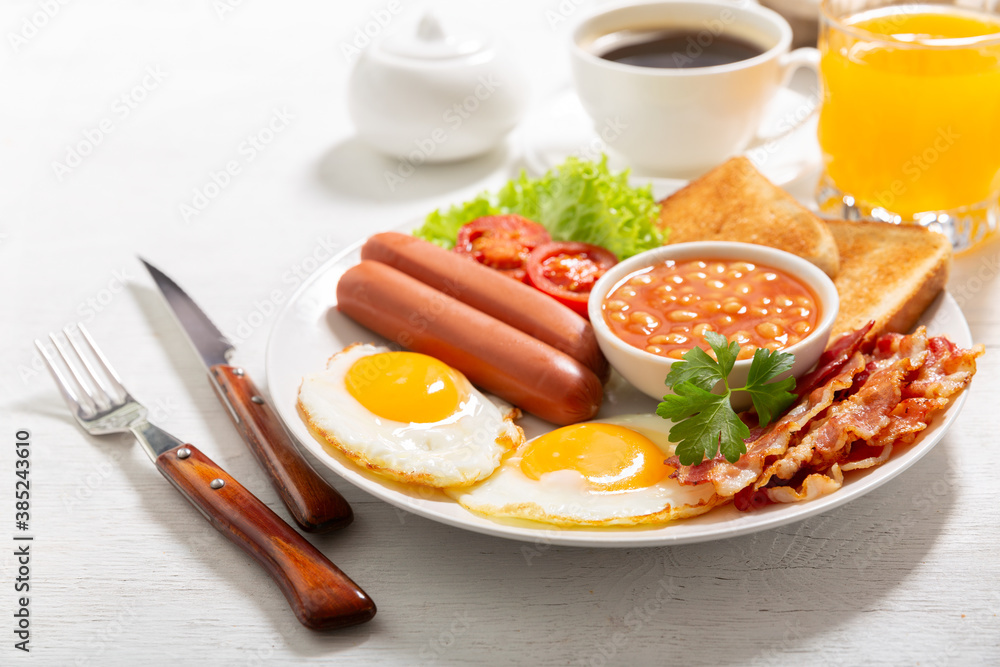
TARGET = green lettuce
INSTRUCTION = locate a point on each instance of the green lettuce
(579, 200)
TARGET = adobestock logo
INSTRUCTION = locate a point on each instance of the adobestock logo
(609, 133)
(561, 13)
(223, 7)
(454, 117)
(91, 306)
(248, 151)
(917, 165)
(264, 309)
(366, 33)
(696, 44)
(33, 24)
(121, 108)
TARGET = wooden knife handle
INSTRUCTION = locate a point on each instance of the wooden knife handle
(321, 596)
(314, 504)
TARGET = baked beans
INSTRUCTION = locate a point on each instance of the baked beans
(666, 309)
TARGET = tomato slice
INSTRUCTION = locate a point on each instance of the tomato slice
(501, 242)
(567, 271)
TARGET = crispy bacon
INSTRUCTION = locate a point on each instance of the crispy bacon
(893, 346)
(813, 486)
(865, 398)
(832, 360)
(828, 366)
(906, 381)
(907, 419)
(859, 417)
(948, 370)
(729, 478)
(860, 463)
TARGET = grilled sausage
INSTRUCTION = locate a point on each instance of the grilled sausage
(519, 305)
(495, 356)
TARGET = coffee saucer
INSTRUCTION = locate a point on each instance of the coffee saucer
(559, 127)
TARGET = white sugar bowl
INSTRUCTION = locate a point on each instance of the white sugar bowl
(433, 93)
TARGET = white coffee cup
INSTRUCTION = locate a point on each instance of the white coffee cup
(682, 122)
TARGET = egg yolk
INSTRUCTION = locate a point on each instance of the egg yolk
(611, 458)
(406, 387)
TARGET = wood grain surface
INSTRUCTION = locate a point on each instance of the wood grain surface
(126, 572)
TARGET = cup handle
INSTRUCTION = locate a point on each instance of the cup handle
(790, 63)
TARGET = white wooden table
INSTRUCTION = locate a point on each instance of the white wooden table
(123, 571)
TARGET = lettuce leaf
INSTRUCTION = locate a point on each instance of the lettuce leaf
(579, 200)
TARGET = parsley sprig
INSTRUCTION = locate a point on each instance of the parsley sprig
(705, 423)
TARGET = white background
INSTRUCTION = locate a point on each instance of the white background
(124, 571)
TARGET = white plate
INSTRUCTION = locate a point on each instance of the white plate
(560, 127)
(309, 329)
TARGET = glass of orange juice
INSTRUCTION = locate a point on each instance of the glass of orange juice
(909, 126)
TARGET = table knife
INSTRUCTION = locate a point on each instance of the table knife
(320, 594)
(313, 503)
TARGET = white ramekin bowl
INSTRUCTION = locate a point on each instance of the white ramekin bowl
(647, 371)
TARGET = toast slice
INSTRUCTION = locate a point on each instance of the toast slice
(734, 202)
(888, 273)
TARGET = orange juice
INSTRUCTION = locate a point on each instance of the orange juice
(910, 120)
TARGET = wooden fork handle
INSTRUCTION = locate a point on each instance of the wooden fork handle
(313, 503)
(321, 596)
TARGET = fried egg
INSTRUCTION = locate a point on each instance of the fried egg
(408, 417)
(611, 472)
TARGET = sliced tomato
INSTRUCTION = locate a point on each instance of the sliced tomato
(567, 271)
(501, 242)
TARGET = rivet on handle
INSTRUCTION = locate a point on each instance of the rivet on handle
(238, 372)
(257, 399)
(218, 483)
(183, 453)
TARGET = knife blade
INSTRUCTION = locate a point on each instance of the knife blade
(313, 503)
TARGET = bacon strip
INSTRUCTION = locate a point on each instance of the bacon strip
(948, 370)
(908, 419)
(813, 486)
(870, 401)
(828, 366)
(729, 478)
(918, 373)
(832, 360)
(860, 417)
(893, 346)
(868, 462)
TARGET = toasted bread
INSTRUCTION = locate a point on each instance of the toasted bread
(888, 273)
(734, 202)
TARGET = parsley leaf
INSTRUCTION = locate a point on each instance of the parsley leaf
(725, 351)
(770, 400)
(705, 423)
(700, 370)
(702, 421)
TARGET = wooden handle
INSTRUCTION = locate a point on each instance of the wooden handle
(321, 596)
(313, 503)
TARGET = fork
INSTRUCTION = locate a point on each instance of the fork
(320, 594)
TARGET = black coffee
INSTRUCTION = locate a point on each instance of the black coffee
(679, 49)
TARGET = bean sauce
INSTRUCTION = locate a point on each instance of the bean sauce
(667, 308)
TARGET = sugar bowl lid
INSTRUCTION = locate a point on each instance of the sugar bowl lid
(431, 40)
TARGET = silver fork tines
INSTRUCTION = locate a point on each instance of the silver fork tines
(66, 388)
(109, 372)
(95, 394)
(96, 400)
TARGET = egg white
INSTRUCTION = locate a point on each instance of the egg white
(460, 450)
(565, 497)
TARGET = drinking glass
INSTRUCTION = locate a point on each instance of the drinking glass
(910, 121)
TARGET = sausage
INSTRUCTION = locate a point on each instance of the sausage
(519, 305)
(495, 356)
